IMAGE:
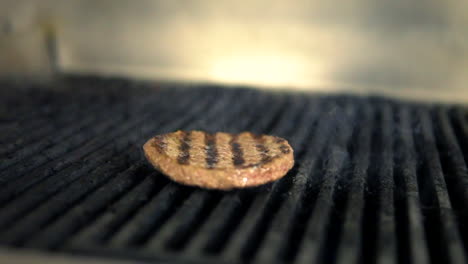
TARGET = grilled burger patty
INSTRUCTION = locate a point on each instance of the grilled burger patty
(221, 160)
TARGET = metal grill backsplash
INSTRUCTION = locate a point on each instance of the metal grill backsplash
(375, 180)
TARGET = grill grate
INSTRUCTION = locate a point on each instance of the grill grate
(375, 180)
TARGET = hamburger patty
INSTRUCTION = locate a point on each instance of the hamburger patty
(220, 160)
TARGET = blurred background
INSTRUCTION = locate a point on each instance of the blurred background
(404, 48)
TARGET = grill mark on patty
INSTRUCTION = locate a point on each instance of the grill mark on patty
(211, 151)
(237, 153)
(280, 141)
(160, 143)
(262, 148)
(282, 146)
(184, 148)
(284, 149)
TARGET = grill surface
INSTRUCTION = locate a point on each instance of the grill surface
(375, 180)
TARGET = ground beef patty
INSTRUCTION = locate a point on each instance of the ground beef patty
(221, 160)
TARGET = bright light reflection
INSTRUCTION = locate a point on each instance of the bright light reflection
(268, 70)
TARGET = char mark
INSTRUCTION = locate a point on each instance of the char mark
(237, 153)
(184, 148)
(261, 148)
(160, 144)
(280, 141)
(284, 149)
(211, 151)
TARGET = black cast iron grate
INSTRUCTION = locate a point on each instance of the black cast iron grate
(375, 181)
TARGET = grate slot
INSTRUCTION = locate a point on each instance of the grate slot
(198, 204)
(386, 227)
(267, 122)
(102, 229)
(234, 204)
(454, 169)
(63, 198)
(217, 107)
(62, 226)
(38, 119)
(375, 180)
(298, 140)
(259, 204)
(66, 141)
(350, 244)
(190, 213)
(155, 213)
(39, 174)
(179, 228)
(461, 130)
(15, 210)
(56, 116)
(218, 228)
(335, 160)
(412, 245)
(293, 202)
(63, 134)
(44, 190)
(379, 214)
(43, 136)
(44, 214)
(178, 123)
(24, 153)
(245, 112)
(37, 132)
(441, 228)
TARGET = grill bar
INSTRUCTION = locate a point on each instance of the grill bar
(39, 174)
(260, 204)
(439, 214)
(211, 237)
(197, 204)
(386, 248)
(136, 231)
(36, 132)
(455, 170)
(65, 140)
(66, 116)
(28, 202)
(374, 181)
(102, 229)
(88, 208)
(57, 117)
(218, 107)
(412, 239)
(177, 229)
(461, 130)
(184, 221)
(33, 120)
(314, 234)
(349, 246)
(294, 202)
